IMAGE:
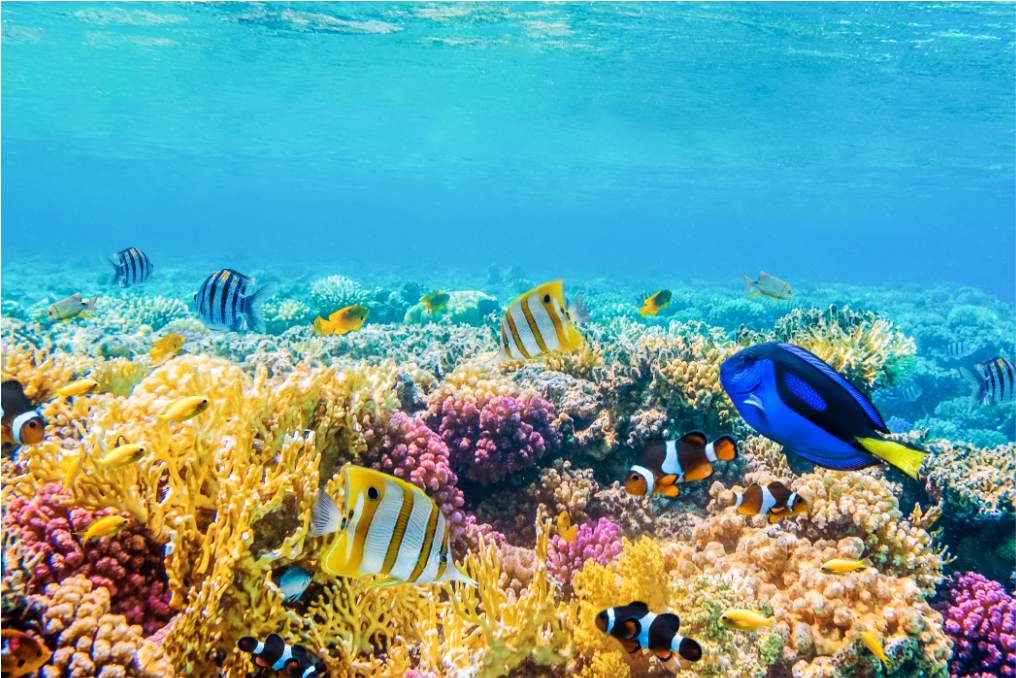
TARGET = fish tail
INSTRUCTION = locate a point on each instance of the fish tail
(91, 303)
(975, 386)
(254, 306)
(771, 623)
(160, 421)
(903, 456)
(644, 310)
(114, 274)
(725, 448)
(867, 563)
(453, 573)
(748, 282)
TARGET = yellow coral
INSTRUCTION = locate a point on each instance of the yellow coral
(119, 375)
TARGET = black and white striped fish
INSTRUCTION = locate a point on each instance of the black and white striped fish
(225, 302)
(911, 392)
(958, 350)
(274, 654)
(993, 383)
(637, 628)
(130, 267)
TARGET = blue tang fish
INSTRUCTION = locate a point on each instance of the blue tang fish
(791, 396)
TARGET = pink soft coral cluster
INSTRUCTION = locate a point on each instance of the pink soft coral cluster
(505, 435)
(600, 543)
(129, 564)
(408, 449)
(980, 618)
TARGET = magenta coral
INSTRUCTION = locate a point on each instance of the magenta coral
(505, 436)
(408, 449)
(600, 543)
(980, 618)
(128, 564)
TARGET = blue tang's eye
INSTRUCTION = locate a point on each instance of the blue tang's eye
(749, 358)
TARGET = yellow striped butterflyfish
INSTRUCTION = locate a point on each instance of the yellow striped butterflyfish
(537, 323)
(387, 527)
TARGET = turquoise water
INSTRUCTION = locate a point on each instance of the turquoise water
(837, 142)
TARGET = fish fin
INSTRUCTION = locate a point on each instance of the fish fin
(903, 456)
(291, 667)
(867, 563)
(453, 573)
(630, 646)
(694, 437)
(668, 480)
(672, 621)
(755, 401)
(756, 294)
(631, 628)
(644, 310)
(254, 302)
(84, 314)
(774, 518)
(975, 385)
(160, 421)
(341, 331)
(114, 274)
(639, 605)
(852, 464)
(670, 490)
(748, 282)
(385, 580)
(247, 643)
(725, 448)
(664, 655)
(90, 303)
(700, 473)
(324, 517)
(689, 650)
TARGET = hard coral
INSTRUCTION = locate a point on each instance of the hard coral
(600, 543)
(981, 621)
(335, 292)
(128, 564)
(978, 485)
(74, 617)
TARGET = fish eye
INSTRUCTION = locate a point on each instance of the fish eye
(724, 617)
(372, 493)
(33, 424)
(546, 298)
(442, 557)
(749, 358)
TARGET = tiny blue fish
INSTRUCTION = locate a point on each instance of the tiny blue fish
(226, 298)
(293, 583)
(791, 396)
(130, 268)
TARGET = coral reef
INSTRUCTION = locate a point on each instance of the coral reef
(980, 618)
(599, 543)
(463, 308)
(334, 292)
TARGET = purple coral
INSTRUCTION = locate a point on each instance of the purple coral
(408, 449)
(600, 543)
(507, 435)
(128, 564)
(980, 618)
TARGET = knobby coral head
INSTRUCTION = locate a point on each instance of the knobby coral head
(981, 621)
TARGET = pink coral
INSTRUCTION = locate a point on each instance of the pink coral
(407, 449)
(981, 621)
(505, 435)
(600, 543)
(128, 564)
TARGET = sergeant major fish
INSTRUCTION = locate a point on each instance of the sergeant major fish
(129, 268)
(636, 628)
(72, 306)
(227, 302)
(385, 527)
(663, 464)
(768, 286)
(792, 397)
(993, 383)
(536, 324)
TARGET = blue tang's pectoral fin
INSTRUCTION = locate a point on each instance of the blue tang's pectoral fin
(861, 460)
(755, 401)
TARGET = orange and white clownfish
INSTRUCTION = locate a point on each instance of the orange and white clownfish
(774, 500)
(22, 423)
(274, 654)
(663, 464)
(636, 628)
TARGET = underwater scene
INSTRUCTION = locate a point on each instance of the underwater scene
(469, 340)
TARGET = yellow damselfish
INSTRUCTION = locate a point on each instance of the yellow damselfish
(436, 301)
(344, 320)
(655, 303)
(182, 410)
(71, 475)
(165, 348)
(104, 527)
(844, 565)
(746, 620)
(123, 454)
(567, 531)
(77, 388)
(871, 642)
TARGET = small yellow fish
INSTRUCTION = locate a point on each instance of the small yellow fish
(768, 286)
(840, 566)
(655, 303)
(182, 410)
(104, 527)
(77, 388)
(872, 644)
(746, 620)
(72, 473)
(123, 454)
(538, 323)
(567, 531)
(436, 301)
(167, 347)
(342, 321)
(65, 309)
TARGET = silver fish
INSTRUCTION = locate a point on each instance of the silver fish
(768, 286)
(73, 305)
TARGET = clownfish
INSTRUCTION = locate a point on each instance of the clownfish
(636, 628)
(386, 527)
(655, 303)
(774, 500)
(274, 654)
(538, 323)
(663, 464)
(22, 423)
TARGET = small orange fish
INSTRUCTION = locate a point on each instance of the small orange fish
(22, 654)
(655, 303)
(164, 349)
(567, 531)
(104, 527)
(344, 320)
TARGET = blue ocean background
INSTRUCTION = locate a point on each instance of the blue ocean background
(862, 143)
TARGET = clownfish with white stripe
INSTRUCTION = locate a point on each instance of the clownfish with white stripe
(539, 323)
(774, 500)
(663, 464)
(22, 423)
(637, 628)
(388, 528)
(274, 654)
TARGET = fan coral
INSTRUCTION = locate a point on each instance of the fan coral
(981, 620)
(128, 564)
(600, 543)
(75, 619)
(335, 292)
